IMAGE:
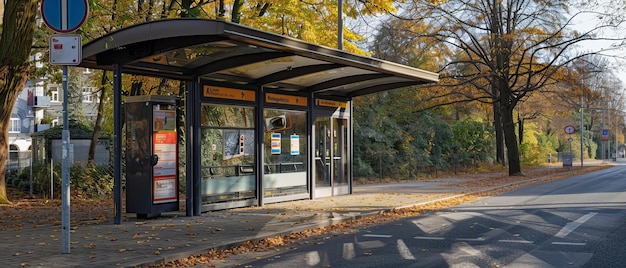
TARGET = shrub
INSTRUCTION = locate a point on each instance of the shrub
(93, 181)
(23, 185)
(16, 183)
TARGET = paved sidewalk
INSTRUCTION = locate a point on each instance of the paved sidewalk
(173, 236)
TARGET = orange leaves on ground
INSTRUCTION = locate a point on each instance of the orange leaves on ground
(30, 211)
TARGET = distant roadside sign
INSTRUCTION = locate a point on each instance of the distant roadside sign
(605, 135)
(570, 129)
(64, 16)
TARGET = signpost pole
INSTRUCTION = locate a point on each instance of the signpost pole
(582, 130)
(65, 214)
(64, 17)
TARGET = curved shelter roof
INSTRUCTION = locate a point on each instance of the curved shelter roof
(226, 52)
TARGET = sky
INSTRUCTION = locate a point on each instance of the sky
(587, 22)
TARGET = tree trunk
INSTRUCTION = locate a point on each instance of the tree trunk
(510, 139)
(520, 129)
(507, 104)
(98, 125)
(500, 64)
(17, 37)
(497, 126)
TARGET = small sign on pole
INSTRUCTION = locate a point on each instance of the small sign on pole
(605, 135)
(65, 49)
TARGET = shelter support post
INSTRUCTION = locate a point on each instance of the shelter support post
(117, 142)
(189, 167)
(260, 122)
(311, 146)
(192, 105)
(350, 148)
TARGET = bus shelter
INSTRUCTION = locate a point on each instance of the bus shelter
(268, 117)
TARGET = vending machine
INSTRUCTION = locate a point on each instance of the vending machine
(151, 155)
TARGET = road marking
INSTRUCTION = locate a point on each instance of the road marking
(313, 258)
(571, 226)
(378, 236)
(471, 239)
(462, 248)
(515, 241)
(569, 243)
(348, 251)
(428, 238)
(404, 250)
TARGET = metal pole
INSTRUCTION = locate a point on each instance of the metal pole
(380, 166)
(30, 178)
(51, 179)
(32, 129)
(571, 154)
(601, 141)
(190, 88)
(65, 212)
(340, 24)
(608, 139)
(616, 154)
(117, 143)
(582, 130)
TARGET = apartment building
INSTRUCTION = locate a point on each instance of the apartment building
(39, 107)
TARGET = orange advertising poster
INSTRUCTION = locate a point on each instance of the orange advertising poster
(165, 171)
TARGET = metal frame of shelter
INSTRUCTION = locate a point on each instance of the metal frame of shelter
(208, 52)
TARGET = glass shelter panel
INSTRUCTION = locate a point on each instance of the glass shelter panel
(340, 151)
(285, 153)
(227, 153)
(331, 167)
(322, 151)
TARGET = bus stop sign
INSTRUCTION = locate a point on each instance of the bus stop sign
(64, 16)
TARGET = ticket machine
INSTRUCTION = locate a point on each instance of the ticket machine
(151, 155)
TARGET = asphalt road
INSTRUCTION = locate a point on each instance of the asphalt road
(574, 222)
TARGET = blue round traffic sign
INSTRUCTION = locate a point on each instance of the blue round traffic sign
(64, 16)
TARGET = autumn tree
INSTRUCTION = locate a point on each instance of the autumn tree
(506, 50)
(591, 84)
(311, 21)
(15, 43)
